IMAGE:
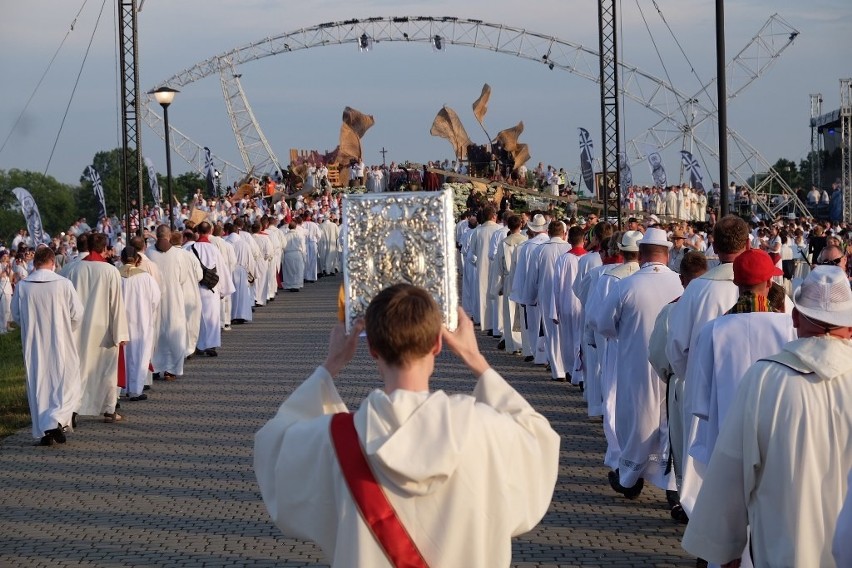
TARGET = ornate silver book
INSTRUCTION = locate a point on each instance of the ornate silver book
(390, 238)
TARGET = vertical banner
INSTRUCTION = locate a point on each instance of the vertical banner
(208, 172)
(98, 188)
(694, 168)
(152, 181)
(625, 174)
(31, 215)
(586, 160)
(658, 172)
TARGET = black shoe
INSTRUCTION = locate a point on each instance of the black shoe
(146, 388)
(529, 359)
(672, 498)
(157, 377)
(238, 321)
(582, 386)
(74, 420)
(211, 352)
(502, 345)
(628, 492)
(679, 514)
(489, 332)
(142, 396)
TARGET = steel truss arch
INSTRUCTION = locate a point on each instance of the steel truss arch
(644, 88)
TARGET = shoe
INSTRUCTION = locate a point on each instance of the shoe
(238, 321)
(489, 332)
(502, 345)
(226, 328)
(157, 377)
(559, 379)
(628, 492)
(672, 498)
(211, 352)
(146, 388)
(582, 386)
(113, 417)
(74, 420)
(169, 377)
(51, 437)
(517, 352)
(529, 359)
(679, 514)
(138, 397)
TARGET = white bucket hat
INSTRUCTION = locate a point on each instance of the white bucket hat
(538, 224)
(825, 296)
(629, 241)
(654, 236)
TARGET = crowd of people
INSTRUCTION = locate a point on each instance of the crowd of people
(658, 325)
(101, 320)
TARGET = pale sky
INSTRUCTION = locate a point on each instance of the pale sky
(298, 97)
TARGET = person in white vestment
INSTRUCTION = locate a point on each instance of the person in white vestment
(778, 474)
(331, 247)
(568, 310)
(463, 473)
(7, 279)
(142, 302)
(468, 290)
(537, 231)
(628, 314)
(180, 272)
(261, 282)
(842, 546)
(210, 335)
(242, 299)
(48, 310)
(312, 237)
(543, 297)
(229, 255)
(191, 292)
(494, 300)
(693, 265)
(102, 330)
(274, 235)
(707, 298)
(295, 249)
(477, 256)
(512, 321)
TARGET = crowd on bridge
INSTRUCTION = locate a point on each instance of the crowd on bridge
(716, 357)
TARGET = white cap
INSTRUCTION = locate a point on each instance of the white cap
(654, 236)
(538, 224)
(629, 241)
(825, 296)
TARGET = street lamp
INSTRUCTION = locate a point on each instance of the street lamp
(216, 175)
(165, 96)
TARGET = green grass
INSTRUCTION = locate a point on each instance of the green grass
(14, 409)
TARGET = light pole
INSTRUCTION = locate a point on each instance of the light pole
(165, 96)
(216, 175)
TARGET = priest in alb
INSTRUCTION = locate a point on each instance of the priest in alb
(210, 335)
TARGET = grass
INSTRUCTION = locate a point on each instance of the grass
(14, 409)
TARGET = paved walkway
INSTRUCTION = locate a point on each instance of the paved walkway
(173, 485)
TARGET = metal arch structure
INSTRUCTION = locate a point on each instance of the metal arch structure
(254, 148)
(644, 88)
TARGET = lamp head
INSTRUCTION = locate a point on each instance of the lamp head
(164, 95)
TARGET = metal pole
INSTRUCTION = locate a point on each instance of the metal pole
(722, 101)
(169, 168)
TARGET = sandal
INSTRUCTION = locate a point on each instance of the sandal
(112, 418)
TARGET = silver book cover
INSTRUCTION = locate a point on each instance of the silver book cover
(390, 238)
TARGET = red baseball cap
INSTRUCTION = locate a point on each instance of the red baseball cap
(753, 267)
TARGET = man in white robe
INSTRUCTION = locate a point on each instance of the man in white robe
(512, 321)
(403, 431)
(264, 245)
(779, 470)
(210, 335)
(48, 310)
(542, 295)
(537, 229)
(587, 262)
(242, 299)
(312, 237)
(628, 314)
(141, 296)
(331, 248)
(478, 257)
(707, 298)
(102, 330)
(295, 249)
(494, 302)
(229, 255)
(191, 293)
(180, 273)
(275, 240)
(468, 297)
(568, 311)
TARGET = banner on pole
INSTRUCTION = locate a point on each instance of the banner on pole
(625, 173)
(208, 172)
(692, 166)
(152, 181)
(31, 215)
(586, 160)
(658, 172)
(98, 188)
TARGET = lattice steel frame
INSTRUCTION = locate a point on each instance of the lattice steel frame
(254, 148)
(608, 45)
(644, 88)
(816, 141)
(846, 147)
(131, 109)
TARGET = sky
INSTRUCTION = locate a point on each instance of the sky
(298, 97)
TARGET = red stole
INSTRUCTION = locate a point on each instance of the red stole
(578, 250)
(95, 257)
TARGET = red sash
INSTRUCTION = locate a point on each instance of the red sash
(371, 501)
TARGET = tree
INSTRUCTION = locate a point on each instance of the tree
(55, 201)
(108, 165)
(183, 186)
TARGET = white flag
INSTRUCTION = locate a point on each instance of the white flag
(32, 216)
(152, 181)
(694, 169)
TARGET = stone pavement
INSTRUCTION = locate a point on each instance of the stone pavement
(173, 484)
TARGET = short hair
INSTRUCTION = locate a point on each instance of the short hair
(514, 222)
(43, 256)
(730, 235)
(137, 243)
(777, 298)
(693, 264)
(203, 228)
(403, 322)
(602, 230)
(163, 232)
(129, 254)
(575, 235)
(97, 242)
(555, 228)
